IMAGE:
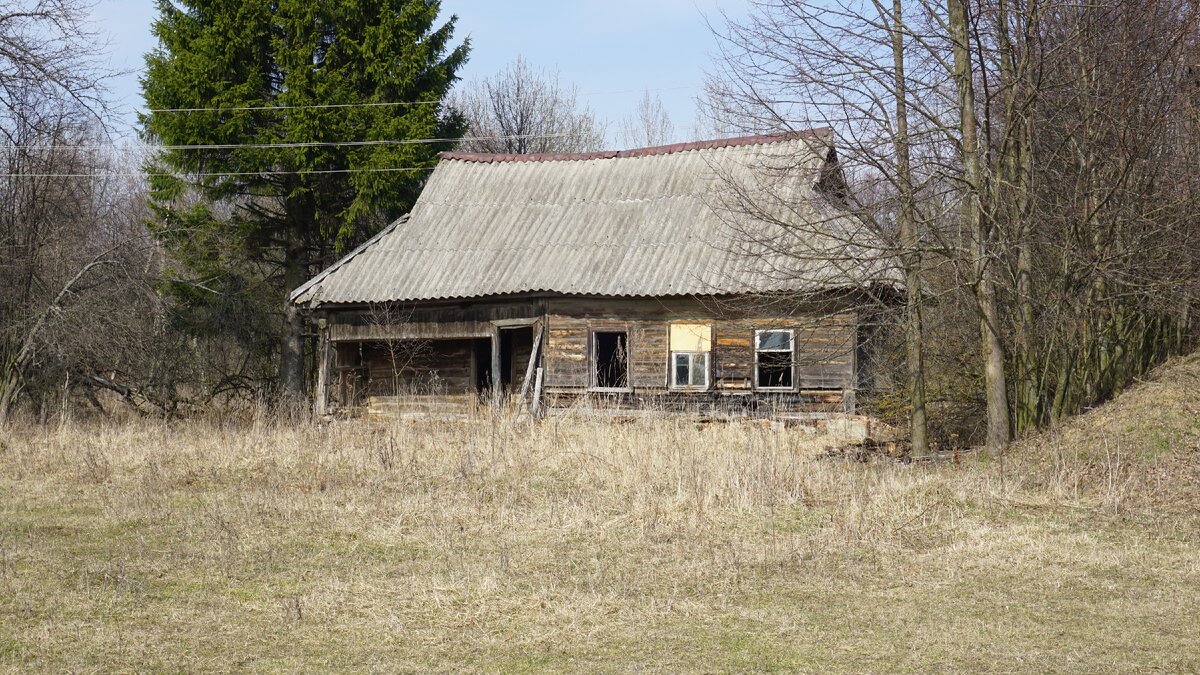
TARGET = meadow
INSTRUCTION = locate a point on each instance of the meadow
(496, 544)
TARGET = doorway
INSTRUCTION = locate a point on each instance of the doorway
(481, 355)
(516, 345)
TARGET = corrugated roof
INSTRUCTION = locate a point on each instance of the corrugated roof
(650, 222)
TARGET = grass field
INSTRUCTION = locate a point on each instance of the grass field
(659, 545)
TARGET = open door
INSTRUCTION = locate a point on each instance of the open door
(516, 346)
(481, 356)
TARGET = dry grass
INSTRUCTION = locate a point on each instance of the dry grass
(573, 545)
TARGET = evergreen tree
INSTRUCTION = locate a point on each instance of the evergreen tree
(279, 87)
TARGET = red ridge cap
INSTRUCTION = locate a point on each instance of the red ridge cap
(761, 139)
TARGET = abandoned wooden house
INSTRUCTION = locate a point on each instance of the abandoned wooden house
(620, 280)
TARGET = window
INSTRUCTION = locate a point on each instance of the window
(690, 370)
(690, 348)
(610, 359)
(773, 359)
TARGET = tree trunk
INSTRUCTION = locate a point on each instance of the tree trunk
(10, 384)
(291, 357)
(1016, 174)
(910, 242)
(998, 429)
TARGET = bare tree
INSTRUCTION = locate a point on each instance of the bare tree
(979, 226)
(650, 124)
(48, 57)
(77, 306)
(1031, 162)
(849, 66)
(521, 110)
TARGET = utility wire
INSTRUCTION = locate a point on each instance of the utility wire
(319, 106)
(298, 144)
(120, 174)
(290, 107)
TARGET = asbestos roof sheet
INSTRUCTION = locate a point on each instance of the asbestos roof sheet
(698, 218)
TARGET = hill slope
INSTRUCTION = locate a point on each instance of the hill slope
(1141, 450)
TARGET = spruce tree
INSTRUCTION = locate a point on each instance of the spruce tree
(279, 88)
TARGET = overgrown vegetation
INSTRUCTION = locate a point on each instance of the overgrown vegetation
(290, 132)
(1031, 168)
(491, 544)
(1056, 253)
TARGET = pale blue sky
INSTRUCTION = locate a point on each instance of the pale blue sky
(599, 45)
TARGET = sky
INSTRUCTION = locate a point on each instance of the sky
(601, 46)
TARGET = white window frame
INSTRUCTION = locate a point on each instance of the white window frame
(791, 360)
(689, 387)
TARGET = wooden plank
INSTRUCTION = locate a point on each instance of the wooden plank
(497, 390)
(533, 358)
(411, 331)
(537, 393)
(418, 366)
(324, 356)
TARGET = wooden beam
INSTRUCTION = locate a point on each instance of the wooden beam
(533, 360)
(496, 389)
(516, 323)
(537, 393)
(321, 397)
(450, 330)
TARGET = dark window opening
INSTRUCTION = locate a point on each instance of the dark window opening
(775, 369)
(483, 365)
(774, 350)
(611, 354)
(506, 359)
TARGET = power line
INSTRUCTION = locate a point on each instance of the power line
(290, 107)
(637, 91)
(298, 144)
(125, 174)
(322, 106)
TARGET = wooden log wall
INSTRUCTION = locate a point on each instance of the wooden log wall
(825, 353)
(418, 367)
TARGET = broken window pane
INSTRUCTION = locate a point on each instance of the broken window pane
(775, 369)
(776, 340)
(689, 370)
(681, 370)
(773, 359)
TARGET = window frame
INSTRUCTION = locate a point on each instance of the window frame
(791, 351)
(593, 353)
(689, 387)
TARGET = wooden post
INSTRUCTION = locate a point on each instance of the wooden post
(321, 397)
(496, 389)
(537, 393)
(533, 359)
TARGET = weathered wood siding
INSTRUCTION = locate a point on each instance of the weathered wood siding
(433, 321)
(420, 405)
(825, 354)
(419, 367)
